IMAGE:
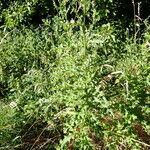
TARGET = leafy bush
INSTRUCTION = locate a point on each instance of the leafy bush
(71, 86)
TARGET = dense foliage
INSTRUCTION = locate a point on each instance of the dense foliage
(72, 76)
(31, 12)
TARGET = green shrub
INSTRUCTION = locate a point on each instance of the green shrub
(71, 86)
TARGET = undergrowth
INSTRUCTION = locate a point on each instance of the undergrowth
(68, 86)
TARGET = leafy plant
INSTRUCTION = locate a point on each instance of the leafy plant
(70, 83)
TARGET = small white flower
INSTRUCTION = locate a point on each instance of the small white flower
(72, 21)
(13, 104)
